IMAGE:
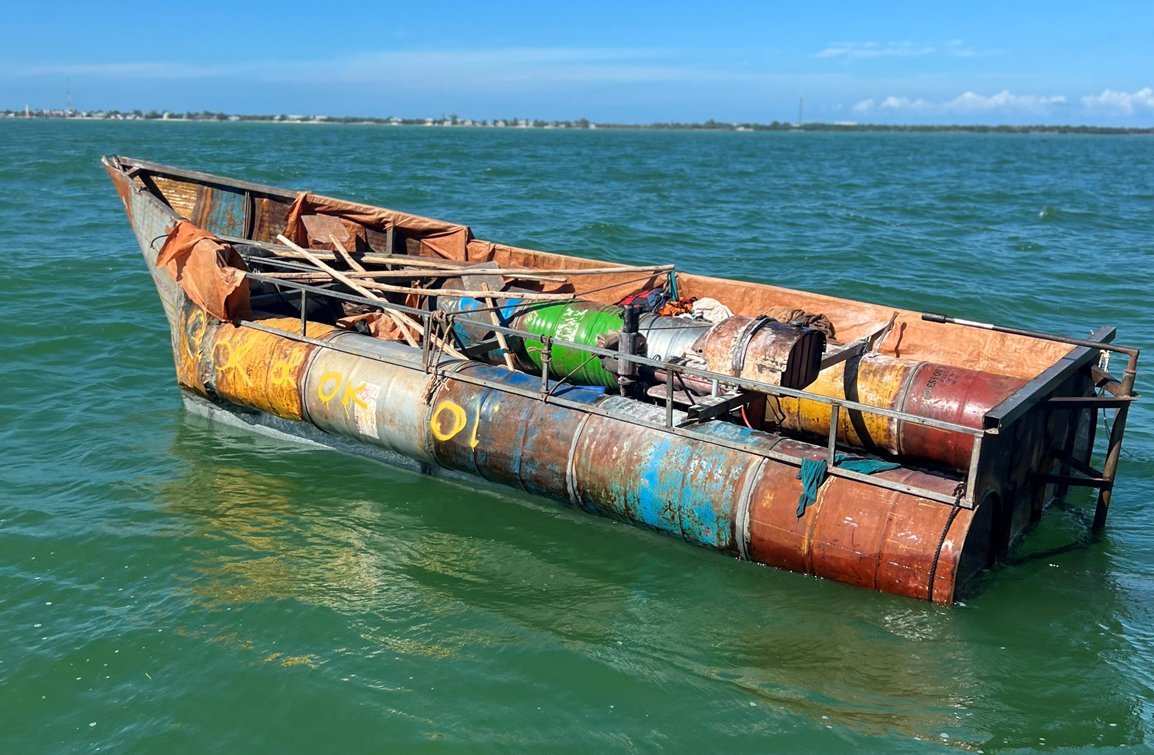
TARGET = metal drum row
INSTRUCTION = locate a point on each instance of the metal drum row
(605, 454)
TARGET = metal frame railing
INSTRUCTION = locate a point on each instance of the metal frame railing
(442, 322)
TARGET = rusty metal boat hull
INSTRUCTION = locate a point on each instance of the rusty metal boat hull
(922, 530)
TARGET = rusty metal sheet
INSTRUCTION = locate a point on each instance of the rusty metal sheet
(220, 211)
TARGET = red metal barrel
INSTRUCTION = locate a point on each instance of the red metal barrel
(952, 394)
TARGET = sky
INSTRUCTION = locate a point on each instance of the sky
(1008, 62)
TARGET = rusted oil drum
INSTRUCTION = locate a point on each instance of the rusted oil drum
(873, 380)
(194, 335)
(955, 395)
(763, 349)
(369, 399)
(685, 487)
(925, 389)
(261, 370)
(473, 318)
(859, 534)
(502, 436)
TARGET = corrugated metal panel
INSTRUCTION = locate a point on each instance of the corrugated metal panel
(180, 195)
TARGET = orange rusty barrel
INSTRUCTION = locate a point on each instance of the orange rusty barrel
(760, 348)
(261, 370)
(859, 534)
(194, 335)
(951, 394)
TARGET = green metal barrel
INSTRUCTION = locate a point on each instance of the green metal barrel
(579, 322)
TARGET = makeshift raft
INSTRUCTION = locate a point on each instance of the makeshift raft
(879, 447)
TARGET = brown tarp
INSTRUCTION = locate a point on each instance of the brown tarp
(379, 325)
(210, 272)
(438, 239)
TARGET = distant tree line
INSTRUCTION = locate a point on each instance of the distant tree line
(580, 123)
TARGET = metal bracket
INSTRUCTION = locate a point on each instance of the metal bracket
(712, 407)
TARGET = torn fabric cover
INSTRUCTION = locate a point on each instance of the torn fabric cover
(438, 239)
(376, 324)
(210, 272)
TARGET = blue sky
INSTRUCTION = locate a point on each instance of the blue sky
(1015, 61)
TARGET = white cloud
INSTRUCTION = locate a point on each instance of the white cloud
(969, 102)
(893, 105)
(955, 48)
(875, 50)
(1124, 103)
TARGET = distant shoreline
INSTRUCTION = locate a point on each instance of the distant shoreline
(579, 124)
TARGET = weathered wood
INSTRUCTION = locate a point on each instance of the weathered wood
(496, 320)
(447, 348)
(398, 319)
(365, 286)
(421, 273)
(415, 261)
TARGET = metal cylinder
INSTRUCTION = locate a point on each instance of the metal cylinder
(763, 349)
(578, 322)
(365, 398)
(473, 318)
(858, 533)
(194, 336)
(501, 436)
(924, 389)
(261, 370)
(670, 337)
(685, 487)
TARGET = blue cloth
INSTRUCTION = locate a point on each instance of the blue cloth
(814, 471)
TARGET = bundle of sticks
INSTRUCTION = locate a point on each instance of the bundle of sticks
(368, 283)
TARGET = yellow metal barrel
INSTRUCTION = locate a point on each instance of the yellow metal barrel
(261, 370)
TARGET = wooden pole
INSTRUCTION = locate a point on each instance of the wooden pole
(411, 260)
(447, 348)
(496, 320)
(394, 316)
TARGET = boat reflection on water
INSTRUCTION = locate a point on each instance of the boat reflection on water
(376, 565)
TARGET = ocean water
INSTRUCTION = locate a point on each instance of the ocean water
(171, 585)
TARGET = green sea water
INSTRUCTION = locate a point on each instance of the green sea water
(170, 585)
